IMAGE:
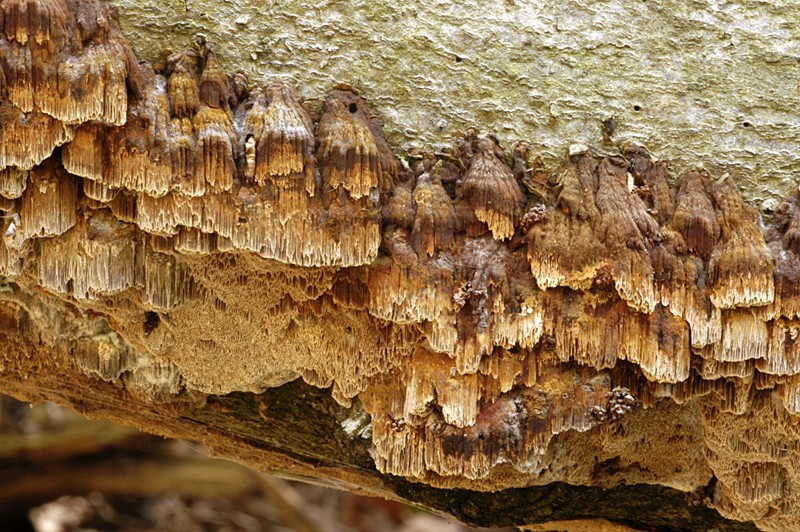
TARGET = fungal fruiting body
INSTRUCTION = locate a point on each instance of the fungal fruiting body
(235, 239)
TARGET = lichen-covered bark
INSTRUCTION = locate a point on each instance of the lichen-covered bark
(484, 323)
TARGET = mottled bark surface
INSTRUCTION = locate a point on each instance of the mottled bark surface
(465, 328)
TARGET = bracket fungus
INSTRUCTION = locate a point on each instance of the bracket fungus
(183, 235)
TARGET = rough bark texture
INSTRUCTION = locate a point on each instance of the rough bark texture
(474, 333)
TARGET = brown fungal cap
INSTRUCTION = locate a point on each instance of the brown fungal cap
(435, 219)
(626, 222)
(281, 135)
(695, 217)
(348, 154)
(29, 138)
(789, 218)
(741, 267)
(182, 87)
(71, 64)
(492, 192)
(390, 166)
(214, 89)
(652, 177)
(565, 249)
(215, 144)
(628, 231)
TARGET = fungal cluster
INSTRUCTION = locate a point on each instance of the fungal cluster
(620, 403)
(233, 238)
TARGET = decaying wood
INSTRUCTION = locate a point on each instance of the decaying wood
(172, 237)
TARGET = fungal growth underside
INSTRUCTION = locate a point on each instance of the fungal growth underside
(490, 325)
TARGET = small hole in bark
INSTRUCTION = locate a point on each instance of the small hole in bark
(637, 108)
(459, 59)
(151, 321)
(353, 108)
(746, 124)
